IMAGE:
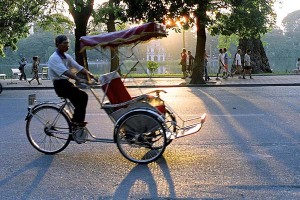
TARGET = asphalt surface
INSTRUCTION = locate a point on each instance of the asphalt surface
(270, 80)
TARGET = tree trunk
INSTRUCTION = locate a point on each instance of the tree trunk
(198, 68)
(81, 14)
(259, 60)
(81, 58)
(114, 57)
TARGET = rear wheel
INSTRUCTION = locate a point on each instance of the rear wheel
(48, 130)
(170, 122)
(141, 137)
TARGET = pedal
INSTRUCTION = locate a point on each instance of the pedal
(80, 135)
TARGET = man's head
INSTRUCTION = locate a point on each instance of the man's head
(62, 43)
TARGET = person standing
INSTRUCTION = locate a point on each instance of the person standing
(238, 62)
(191, 59)
(61, 66)
(205, 66)
(183, 56)
(35, 69)
(23, 63)
(247, 64)
(221, 63)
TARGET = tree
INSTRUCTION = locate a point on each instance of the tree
(291, 24)
(110, 14)
(196, 13)
(15, 19)
(152, 66)
(81, 10)
(240, 21)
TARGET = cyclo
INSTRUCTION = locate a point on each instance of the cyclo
(143, 125)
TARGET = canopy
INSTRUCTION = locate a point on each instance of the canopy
(136, 34)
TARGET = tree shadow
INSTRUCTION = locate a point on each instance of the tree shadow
(42, 164)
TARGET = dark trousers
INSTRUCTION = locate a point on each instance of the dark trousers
(78, 98)
(23, 75)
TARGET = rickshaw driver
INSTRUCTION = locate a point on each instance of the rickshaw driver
(60, 65)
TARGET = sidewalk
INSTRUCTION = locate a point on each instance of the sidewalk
(280, 80)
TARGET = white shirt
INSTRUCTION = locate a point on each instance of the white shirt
(238, 60)
(221, 60)
(247, 60)
(58, 64)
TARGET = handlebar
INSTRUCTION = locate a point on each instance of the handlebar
(87, 84)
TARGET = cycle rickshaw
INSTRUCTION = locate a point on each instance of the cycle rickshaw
(143, 125)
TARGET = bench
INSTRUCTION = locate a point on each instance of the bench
(44, 73)
(15, 73)
(3, 76)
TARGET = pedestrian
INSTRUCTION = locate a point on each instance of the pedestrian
(23, 63)
(205, 66)
(61, 69)
(247, 64)
(226, 60)
(238, 63)
(221, 63)
(183, 57)
(190, 64)
(35, 69)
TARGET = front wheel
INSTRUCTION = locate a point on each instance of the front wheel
(48, 130)
(141, 137)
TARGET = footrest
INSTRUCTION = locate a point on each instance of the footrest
(191, 129)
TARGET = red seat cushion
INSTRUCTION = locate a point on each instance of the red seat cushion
(115, 90)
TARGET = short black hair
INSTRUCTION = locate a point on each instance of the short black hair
(60, 39)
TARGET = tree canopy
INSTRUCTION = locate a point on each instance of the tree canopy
(15, 19)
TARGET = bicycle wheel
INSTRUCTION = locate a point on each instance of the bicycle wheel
(48, 130)
(141, 137)
(170, 122)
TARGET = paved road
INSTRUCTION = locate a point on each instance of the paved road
(249, 148)
(284, 80)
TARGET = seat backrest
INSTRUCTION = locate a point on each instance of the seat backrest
(114, 88)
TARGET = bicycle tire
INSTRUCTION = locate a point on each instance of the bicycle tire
(45, 137)
(141, 137)
(169, 122)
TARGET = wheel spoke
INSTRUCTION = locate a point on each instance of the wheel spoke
(141, 138)
(48, 130)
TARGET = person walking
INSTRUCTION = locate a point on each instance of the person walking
(61, 66)
(221, 63)
(247, 64)
(23, 63)
(35, 69)
(183, 56)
